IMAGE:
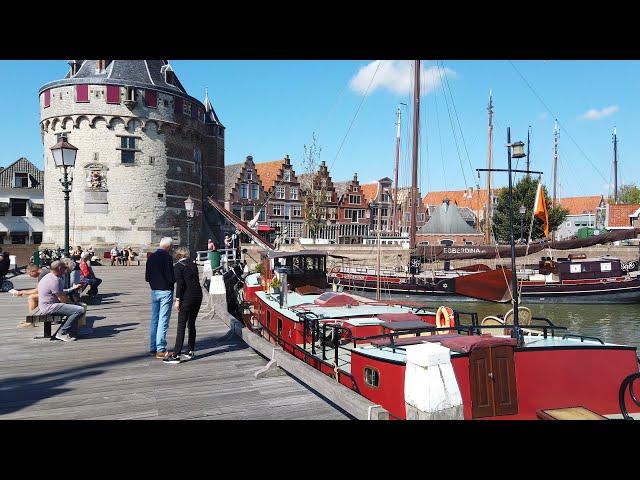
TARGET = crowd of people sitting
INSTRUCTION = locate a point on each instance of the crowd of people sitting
(49, 295)
(125, 256)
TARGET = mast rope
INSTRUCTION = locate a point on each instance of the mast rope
(555, 116)
(455, 110)
(453, 130)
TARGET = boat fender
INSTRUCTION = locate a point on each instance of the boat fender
(445, 318)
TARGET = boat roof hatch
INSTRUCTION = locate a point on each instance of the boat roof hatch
(331, 299)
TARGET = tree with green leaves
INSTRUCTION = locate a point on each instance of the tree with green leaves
(629, 194)
(524, 193)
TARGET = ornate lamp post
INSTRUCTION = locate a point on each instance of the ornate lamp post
(64, 156)
(523, 210)
(188, 206)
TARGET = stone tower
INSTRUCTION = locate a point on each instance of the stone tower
(144, 144)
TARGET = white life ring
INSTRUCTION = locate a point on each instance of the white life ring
(444, 319)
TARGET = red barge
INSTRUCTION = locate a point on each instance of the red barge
(420, 364)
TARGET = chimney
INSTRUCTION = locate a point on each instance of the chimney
(250, 158)
(287, 160)
(74, 65)
(355, 177)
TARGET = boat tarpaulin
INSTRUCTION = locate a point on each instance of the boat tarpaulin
(441, 252)
(240, 225)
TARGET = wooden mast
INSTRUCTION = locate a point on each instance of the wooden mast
(395, 173)
(414, 166)
(487, 229)
(556, 133)
(615, 166)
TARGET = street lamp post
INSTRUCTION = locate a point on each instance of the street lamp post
(514, 150)
(188, 206)
(523, 210)
(64, 156)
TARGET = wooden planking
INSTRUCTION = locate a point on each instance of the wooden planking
(107, 374)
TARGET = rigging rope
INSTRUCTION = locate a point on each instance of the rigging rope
(453, 103)
(555, 116)
(453, 130)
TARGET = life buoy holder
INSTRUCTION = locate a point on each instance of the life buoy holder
(444, 318)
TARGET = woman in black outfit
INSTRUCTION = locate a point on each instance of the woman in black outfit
(188, 301)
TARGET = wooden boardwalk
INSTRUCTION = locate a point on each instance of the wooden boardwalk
(107, 373)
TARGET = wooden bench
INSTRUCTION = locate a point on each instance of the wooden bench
(47, 319)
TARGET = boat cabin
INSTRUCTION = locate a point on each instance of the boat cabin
(579, 267)
(306, 267)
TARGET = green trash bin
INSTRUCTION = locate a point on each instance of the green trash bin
(214, 259)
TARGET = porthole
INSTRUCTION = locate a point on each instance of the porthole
(371, 377)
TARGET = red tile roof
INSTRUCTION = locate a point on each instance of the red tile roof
(618, 215)
(475, 201)
(370, 191)
(268, 172)
(580, 205)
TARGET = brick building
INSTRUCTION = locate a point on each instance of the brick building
(284, 205)
(403, 211)
(473, 199)
(379, 196)
(244, 195)
(144, 144)
(21, 203)
(321, 187)
(354, 217)
(583, 212)
(621, 216)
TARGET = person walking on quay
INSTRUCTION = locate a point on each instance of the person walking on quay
(160, 276)
(52, 298)
(115, 253)
(188, 301)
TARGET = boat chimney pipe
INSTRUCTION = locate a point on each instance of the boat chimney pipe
(284, 285)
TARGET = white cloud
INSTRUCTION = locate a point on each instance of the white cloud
(595, 114)
(396, 77)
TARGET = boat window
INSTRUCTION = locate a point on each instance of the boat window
(268, 319)
(312, 263)
(371, 377)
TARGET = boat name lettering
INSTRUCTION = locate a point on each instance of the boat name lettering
(461, 250)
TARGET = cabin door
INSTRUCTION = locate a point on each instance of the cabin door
(493, 382)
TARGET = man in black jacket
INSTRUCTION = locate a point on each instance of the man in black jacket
(159, 274)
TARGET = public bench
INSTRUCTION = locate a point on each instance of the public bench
(36, 317)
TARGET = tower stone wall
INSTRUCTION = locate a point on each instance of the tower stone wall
(177, 154)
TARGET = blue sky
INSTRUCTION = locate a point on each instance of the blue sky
(271, 108)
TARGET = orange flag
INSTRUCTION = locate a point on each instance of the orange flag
(540, 209)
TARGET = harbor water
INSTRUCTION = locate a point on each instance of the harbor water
(612, 323)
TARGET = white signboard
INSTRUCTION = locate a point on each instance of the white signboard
(605, 267)
(575, 268)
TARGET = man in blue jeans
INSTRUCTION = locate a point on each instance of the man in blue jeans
(159, 275)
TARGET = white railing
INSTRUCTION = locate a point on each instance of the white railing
(227, 255)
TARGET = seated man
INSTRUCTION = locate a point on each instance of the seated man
(52, 298)
(33, 271)
(87, 275)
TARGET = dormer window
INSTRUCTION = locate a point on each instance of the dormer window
(130, 94)
(286, 176)
(21, 180)
(169, 75)
(101, 65)
(249, 174)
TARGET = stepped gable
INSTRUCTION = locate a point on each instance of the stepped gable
(231, 174)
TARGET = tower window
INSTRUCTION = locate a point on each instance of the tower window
(151, 98)
(47, 98)
(113, 94)
(177, 105)
(82, 93)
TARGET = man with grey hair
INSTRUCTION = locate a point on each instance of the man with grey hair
(159, 274)
(52, 298)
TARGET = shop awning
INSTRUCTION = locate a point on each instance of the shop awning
(266, 228)
(4, 201)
